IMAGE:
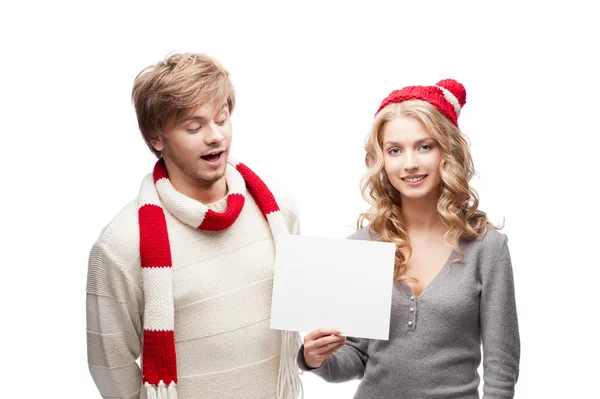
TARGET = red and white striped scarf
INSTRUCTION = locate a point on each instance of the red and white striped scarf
(159, 362)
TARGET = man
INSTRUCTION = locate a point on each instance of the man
(183, 275)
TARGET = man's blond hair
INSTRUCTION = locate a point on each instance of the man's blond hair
(175, 87)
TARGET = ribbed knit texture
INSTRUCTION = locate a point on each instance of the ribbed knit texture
(448, 96)
(222, 282)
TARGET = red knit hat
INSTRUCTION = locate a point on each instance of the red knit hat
(448, 96)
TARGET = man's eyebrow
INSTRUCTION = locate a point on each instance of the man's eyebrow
(191, 118)
(198, 117)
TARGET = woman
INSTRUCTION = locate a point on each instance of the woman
(453, 288)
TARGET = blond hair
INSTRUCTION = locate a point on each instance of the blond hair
(175, 87)
(458, 203)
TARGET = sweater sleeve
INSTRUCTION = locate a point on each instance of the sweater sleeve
(499, 326)
(347, 363)
(114, 327)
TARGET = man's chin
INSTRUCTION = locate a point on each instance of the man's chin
(210, 178)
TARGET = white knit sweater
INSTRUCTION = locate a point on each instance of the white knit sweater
(222, 283)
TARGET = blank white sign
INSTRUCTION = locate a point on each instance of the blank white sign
(333, 283)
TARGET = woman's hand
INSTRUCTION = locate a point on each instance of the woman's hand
(320, 344)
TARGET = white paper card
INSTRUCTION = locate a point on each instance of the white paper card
(333, 283)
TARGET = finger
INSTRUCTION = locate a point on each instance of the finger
(331, 339)
(326, 351)
(322, 332)
(322, 344)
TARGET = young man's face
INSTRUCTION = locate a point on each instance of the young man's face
(196, 147)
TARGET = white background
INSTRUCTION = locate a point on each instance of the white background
(309, 78)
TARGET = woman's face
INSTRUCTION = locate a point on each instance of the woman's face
(412, 158)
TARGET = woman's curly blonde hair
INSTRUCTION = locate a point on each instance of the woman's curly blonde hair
(457, 204)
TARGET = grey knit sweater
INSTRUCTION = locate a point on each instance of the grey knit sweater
(435, 341)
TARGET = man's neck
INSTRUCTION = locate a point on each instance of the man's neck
(205, 193)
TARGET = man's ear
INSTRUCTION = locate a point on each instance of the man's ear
(157, 142)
